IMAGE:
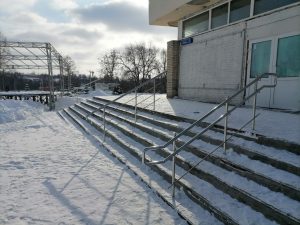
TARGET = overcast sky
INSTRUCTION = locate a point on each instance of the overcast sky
(82, 29)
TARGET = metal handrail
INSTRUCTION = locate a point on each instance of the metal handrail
(225, 102)
(127, 93)
(87, 84)
(138, 103)
(94, 81)
(210, 153)
(135, 90)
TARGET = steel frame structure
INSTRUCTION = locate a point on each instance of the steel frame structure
(34, 55)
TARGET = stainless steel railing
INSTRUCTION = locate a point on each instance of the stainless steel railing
(138, 103)
(223, 116)
(85, 85)
(174, 180)
(152, 81)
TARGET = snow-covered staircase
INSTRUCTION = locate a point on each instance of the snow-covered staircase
(256, 182)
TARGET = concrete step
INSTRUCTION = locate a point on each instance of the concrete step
(231, 165)
(198, 204)
(228, 188)
(249, 148)
(260, 139)
(191, 188)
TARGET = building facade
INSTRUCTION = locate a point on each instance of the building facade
(223, 45)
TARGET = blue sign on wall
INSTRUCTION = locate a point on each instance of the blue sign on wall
(186, 41)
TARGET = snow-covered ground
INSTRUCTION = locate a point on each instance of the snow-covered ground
(11, 110)
(51, 173)
(66, 101)
(23, 92)
(275, 124)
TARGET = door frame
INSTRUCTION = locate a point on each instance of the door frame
(272, 67)
(265, 80)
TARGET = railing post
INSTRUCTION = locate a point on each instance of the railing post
(144, 156)
(173, 168)
(135, 106)
(154, 90)
(225, 126)
(104, 128)
(254, 106)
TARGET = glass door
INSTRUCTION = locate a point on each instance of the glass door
(287, 66)
(260, 61)
(280, 55)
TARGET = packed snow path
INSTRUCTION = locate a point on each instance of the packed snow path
(50, 173)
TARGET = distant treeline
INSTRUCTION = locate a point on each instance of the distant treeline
(128, 66)
(18, 81)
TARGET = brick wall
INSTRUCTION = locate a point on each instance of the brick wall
(172, 68)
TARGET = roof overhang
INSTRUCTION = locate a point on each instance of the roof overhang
(169, 12)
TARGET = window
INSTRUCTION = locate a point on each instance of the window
(288, 57)
(239, 9)
(195, 25)
(261, 6)
(219, 16)
(260, 58)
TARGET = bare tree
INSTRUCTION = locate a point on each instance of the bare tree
(109, 65)
(69, 64)
(161, 64)
(139, 62)
(69, 67)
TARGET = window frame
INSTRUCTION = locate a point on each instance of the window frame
(211, 15)
(246, 18)
(193, 17)
(251, 54)
(253, 12)
(273, 57)
(228, 22)
(276, 40)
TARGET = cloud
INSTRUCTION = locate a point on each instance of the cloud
(84, 29)
(63, 5)
(27, 18)
(115, 15)
(82, 33)
(10, 6)
(140, 3)
(35, 36)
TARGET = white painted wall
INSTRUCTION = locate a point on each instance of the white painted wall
(286, 95)
(212, 67)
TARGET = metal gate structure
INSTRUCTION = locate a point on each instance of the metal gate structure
(33, 55)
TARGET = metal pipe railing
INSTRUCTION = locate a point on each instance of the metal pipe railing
(208, 154)
(105, 128)
(127, 93)
(86, 85)
(135, 90)
(257, 90)
(174, 168)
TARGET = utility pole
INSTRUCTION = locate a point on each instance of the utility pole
(61, 71)
(3, 80)
(50, 76)
(14, 76)
(70, 80)
(91, 75)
